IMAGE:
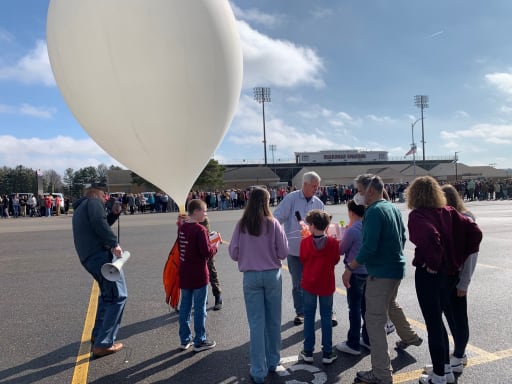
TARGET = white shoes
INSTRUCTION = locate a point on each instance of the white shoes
(433, 379)
(448, 373)
(458, 364)
(343, 347)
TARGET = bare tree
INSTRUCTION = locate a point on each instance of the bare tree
(52, 180)
(102, 174)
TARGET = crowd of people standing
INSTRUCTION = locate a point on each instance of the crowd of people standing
(28, 205)
(443, 231)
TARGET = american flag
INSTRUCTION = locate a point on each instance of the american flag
(411, 151)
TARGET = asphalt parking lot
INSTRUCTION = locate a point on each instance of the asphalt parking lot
(46, 296)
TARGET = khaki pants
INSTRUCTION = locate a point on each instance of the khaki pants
(381, 303)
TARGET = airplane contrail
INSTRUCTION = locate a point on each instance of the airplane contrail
(435, 34)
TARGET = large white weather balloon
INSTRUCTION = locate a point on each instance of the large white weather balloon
(154, 82)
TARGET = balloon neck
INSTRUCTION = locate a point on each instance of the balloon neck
(183, 211)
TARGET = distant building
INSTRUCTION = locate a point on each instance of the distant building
(341, 156)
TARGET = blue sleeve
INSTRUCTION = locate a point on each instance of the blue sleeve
(98, 219)
(347, 241)
(283, 210)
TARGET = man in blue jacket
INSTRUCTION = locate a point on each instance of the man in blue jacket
(95, 243)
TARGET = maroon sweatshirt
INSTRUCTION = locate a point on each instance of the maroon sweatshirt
(443, 237)
(195, 251)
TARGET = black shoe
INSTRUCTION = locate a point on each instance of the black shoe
(218, 303)
(204, 346)
(334, 320)
(299, 319)
(404, 344)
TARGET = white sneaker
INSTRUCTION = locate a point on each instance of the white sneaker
(343, 347)
(278, 368)
(448, 372)
(432, 379)
(458, 363)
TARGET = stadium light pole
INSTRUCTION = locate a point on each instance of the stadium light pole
(262, 95)
(421, 101)
(272, 148)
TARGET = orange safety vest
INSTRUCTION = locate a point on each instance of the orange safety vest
(171, 278)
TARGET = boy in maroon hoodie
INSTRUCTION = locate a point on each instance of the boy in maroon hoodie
(195, 251)
(319, 254)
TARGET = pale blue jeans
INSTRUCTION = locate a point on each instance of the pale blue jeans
(263, 296)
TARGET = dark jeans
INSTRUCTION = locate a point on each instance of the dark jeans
(295, 268)
(457, 316)
(433, 291)
(356, 310)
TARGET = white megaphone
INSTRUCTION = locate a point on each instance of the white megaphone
(112, 271)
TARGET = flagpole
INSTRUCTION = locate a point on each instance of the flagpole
(413, 146)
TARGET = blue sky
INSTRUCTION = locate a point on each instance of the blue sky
(343, 75)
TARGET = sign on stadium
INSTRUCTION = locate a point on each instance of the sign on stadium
(343, 156)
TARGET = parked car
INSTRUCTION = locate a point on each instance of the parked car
(116, 195)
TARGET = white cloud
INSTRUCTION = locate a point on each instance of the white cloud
(56, 153)
(501, 80)
(28, 110)
(505, 109)
(254, 15)
(320, 13)
(314, 112)
(341, 119)
(33, 68)
(489, 133)
(461, 114)
(336, 123)
(273, 62)
(41, 112)
(380, 119)
(344, 116)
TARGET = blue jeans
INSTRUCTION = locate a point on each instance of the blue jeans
(295, 268)
(356, 310)
(198, 297)
(263, 296)
(111, 302)
(325, 320)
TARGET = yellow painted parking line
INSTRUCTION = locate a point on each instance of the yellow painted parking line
(474, 361)
(84, 352)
